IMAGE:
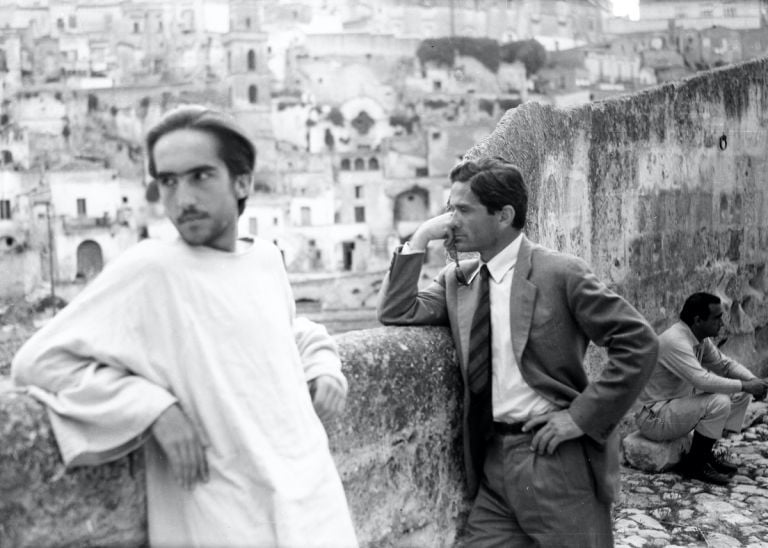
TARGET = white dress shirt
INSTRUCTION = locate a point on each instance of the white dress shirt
(513, 399)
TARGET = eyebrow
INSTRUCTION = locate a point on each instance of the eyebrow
(196, 169)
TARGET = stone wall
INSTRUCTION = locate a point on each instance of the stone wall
(397, 449)
(643, 187)
(663, 192)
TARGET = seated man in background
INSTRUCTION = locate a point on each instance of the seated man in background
(696, 387)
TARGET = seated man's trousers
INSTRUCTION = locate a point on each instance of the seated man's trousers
(708, 414)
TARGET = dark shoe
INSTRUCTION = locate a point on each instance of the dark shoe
(704, 472)
(722, 463)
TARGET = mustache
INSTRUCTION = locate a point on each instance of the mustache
(191, 214)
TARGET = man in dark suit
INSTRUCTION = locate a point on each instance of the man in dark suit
(540, 449)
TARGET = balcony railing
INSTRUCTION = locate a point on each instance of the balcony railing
(74, 224)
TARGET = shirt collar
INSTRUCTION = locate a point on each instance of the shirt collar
(504, 260)
(685, 331)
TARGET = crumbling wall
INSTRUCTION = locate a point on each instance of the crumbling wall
(663, 192)
(642, 187)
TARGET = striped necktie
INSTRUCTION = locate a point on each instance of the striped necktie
(479, 363)
(480, 412)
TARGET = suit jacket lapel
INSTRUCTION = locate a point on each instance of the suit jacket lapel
(466, 298)
(522, 300)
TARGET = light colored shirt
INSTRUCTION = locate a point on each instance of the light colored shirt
(686, 367)
(513, 399)
(214, 331)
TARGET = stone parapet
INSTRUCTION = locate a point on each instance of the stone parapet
(397, 448)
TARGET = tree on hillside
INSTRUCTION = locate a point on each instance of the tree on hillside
(443, 51)
(529, 52)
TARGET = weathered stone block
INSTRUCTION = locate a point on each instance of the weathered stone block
(41, 504)
(756, 412)
(653, 456)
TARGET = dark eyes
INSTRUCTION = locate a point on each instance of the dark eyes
(173, 180)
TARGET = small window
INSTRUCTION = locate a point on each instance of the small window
(437, 85)
(81, 209)
(5, 209)
(253, 226)
(136, 27)
(275, 221)
(358, 191)
(373, 164)
(253, 94)
(345, 165)
(359, 214)
(306, 216)
(247, 22)
(422, 172)
(251, 60)
(72, 22)
(359, 164)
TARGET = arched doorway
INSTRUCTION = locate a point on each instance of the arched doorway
(89, 260)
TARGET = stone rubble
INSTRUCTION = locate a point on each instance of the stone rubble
(666, 510)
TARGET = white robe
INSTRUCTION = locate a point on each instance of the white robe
(215, 332)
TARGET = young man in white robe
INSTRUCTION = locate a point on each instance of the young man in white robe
(192, 349)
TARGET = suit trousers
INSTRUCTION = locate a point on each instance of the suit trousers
(531, 500)
(708, 414)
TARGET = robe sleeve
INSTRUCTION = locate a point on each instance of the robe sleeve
(91, 367)
(318, 350)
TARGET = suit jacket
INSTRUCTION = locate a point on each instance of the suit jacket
(557, 306)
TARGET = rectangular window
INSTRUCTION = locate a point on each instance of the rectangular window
(306, 216)
(253, 225)
(358, 191)
(359, 214)
(422, 172)
(72, 21)
(5, 209)
(81, 210)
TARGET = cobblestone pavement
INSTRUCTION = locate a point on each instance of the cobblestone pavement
(671, 511)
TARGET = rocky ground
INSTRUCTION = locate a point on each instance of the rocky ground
(667, 510)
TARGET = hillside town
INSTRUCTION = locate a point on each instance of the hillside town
(358, 110)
